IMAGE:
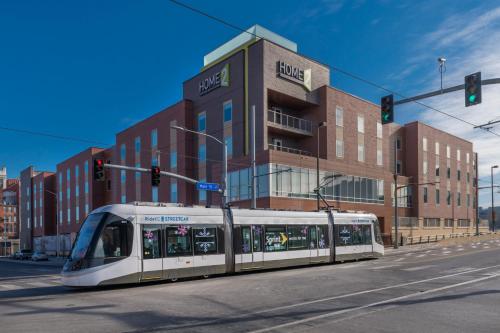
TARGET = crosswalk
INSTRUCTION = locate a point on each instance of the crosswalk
(20, 283)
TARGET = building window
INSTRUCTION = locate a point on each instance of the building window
(425, 195)
(202, 122)
(137, 144)
(431, 222)
(448, 151)
(229, 144)
(202, 153)
(448, 198)
(459, 199)
(468, 177)
(123, 153)
(173, 192)
(77, 214)
(436, 147)
(437, 168)
(154, 193)
(424, 143)
(398, 143)
(123, 199)
(459, 174)
(448, 223)
(228, 111)
(398, 167)
(69, 216)
(154, 138)
(425, 167)
(173, 160)
(339, 116)
(361, 124)
(458, 155)
(379, 130)
(379, 157)
(438, 199)
(77, 186)
(86, 209)
(202, 194)
(339, 148)
(361, 152)
(448, 173)
(467, 158)
(463, 223)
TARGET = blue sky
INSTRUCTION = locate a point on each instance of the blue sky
(88, 69)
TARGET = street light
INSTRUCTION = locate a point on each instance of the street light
(492, 200)
(321, 124)
(224, 157)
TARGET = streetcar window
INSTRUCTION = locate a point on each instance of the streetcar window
(257, 238)
(275, 238)
(367, 232)
(151, 242)
(179, 241)
(246, 241)
(323, 240)
(237, 240)
(357, 234)
(378, 236)
(85, 236)
(313, 237)
(115, 241)
(343, 235)
(297, 237)
(205, 241)
(220, 240)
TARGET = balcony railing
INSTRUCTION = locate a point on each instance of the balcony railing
(290, 122)
(289, 150)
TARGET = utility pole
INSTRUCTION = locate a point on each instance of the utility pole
(254, 168)
(321, 124)
(396, 222)
(492, 200)
(476, 201)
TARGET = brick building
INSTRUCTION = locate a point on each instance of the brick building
(9, 221)
(43, 213)
(78, 193)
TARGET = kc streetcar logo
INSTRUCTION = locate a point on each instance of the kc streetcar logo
(216, 80)
(168, 218)
(295, 74)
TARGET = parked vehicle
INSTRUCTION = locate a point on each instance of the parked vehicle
(25, 254)
(39, 255)
(16, 255)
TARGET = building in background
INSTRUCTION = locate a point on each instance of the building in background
(43, 212)
(78, 193)
(9, 220)
(299, 118)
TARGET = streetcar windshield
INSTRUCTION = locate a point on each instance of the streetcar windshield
(103, 238)
(85, 236)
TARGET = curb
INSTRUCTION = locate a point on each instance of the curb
(50, 262)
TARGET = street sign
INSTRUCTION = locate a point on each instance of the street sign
(208, 186)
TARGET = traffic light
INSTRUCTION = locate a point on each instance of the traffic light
(473, 89)
(99, 170)
(155, 176)
(387, 109)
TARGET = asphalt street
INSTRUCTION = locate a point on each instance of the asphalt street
(439, 289)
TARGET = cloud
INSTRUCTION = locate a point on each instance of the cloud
(455, 38)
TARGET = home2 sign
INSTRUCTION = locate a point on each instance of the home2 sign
(214, 81)
(295, 74)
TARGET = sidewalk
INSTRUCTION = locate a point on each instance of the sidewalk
(53, 261)
(446, 242)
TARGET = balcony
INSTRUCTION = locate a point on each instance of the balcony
(289, 150)
(277, 119)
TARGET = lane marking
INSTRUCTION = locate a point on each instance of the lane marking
(418, 268)
(421, 255)
(400, 259)
(384, 267)
(23, 277)
(10, 286)
(40, 284)
(446, 252)
(373, 290)
(339, 312)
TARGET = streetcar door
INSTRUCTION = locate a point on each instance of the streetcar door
(313, 243)
(257, 246)
(152, 252)
(178, 260)
(246, 247)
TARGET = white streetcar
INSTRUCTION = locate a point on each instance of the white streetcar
(140, 242)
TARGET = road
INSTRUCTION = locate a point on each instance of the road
(441, 289)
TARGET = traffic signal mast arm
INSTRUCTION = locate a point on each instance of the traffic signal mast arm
(444, 91)
(164, 173)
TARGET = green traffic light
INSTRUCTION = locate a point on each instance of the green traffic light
(472, 98)
(386, 116)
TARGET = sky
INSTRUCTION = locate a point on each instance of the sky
(88, 69)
